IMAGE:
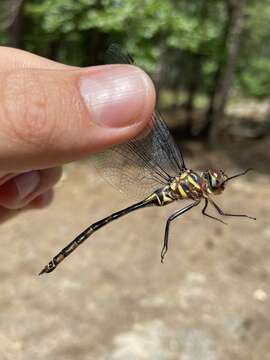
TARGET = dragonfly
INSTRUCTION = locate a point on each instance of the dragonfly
(152, 166)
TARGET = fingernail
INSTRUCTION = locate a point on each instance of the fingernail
(116, 95)
(27, 183)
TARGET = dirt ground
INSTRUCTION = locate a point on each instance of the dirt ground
(114, 300)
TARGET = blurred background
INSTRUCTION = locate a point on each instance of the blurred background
(113, 299)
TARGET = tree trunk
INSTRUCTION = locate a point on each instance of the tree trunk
(15, 29)
(264, 131)
(193, 86)
(53, 49)
(218, 101)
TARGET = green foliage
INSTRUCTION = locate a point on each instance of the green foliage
(255, 80)
(253, 76)
(139, 23)
(180, 39)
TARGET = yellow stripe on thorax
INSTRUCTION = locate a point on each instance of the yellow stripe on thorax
(182, 192)
(193, 182)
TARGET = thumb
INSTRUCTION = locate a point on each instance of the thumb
(52, 116)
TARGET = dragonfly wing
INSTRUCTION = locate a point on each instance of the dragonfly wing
(124, 168)
(144, 163)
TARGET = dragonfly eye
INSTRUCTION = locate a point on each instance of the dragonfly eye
(215, 179)
(214, 182)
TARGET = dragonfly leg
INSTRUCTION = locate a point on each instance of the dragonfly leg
(210, 216)
(221, 212)
(170, 219)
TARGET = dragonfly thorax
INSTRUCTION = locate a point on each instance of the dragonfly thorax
(188, 185)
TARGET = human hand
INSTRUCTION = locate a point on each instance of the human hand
(51, 114)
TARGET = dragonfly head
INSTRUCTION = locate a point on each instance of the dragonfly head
(216, 179)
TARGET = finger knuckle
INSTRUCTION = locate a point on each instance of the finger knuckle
(26, 108)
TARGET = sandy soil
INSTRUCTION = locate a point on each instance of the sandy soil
(113, 300)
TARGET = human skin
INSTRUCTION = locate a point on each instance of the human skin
(51, 114)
